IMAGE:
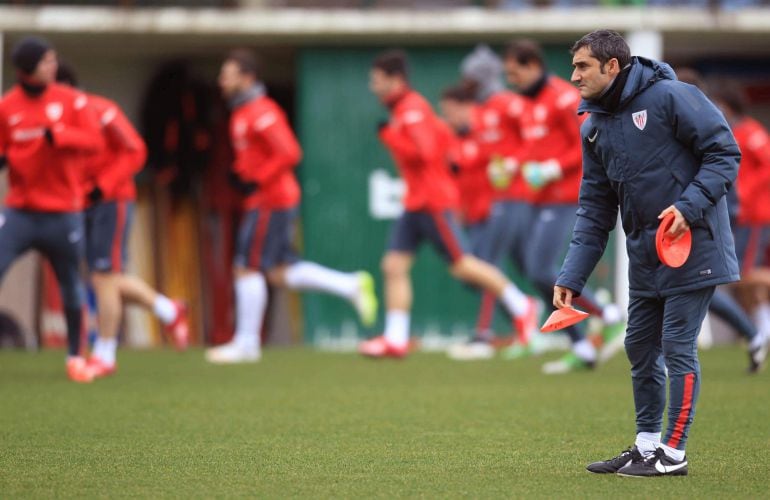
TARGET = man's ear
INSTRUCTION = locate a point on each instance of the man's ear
(614, 66)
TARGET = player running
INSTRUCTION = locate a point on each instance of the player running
(266, 153)
(752, 231)
(110, 196)
(45, 129)
(418, 142)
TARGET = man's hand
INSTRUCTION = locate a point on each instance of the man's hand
(96, 195)
(680, 225)
(562, 297)
(244, 187)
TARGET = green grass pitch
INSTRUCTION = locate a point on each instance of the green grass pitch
(319, 425)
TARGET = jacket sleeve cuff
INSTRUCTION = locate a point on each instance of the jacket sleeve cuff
(577, 288)
(690, 213)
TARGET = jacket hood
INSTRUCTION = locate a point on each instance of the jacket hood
(644, 73)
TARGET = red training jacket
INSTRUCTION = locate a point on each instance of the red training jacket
(754, 172)
(266, 152)
(551, 131)
(114, 168)
(44, 176)
(472, 180)
(418, 142)
(497, 127)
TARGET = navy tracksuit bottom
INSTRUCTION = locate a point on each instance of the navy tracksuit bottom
(60, 237)
(663, 333)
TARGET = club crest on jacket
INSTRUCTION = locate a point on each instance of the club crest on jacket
(640, 119)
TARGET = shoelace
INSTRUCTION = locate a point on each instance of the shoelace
(623, 453)
(659, 453)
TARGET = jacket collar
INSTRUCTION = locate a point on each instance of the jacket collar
(643, 73)
(256, 91)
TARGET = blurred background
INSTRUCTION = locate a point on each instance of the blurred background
(159, 61)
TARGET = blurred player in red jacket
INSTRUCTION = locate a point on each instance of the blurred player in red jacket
(496, 127)
(45, 130)
(266, 154)
(110, 196)
(752, 230)
(551, 166)
(418, 142)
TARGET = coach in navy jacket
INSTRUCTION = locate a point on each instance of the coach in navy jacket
(651, 146)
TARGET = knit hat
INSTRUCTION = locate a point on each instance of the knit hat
(485, 69)
(28, 52)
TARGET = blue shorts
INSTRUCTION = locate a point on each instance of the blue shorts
(265, 239)
(441, 229)
(751, 244)
(107, 228)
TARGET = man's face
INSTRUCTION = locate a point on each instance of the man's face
(588, 74)
(381, 84)
(45, 72)
(456, 113)
(231, 79)
(522, 76)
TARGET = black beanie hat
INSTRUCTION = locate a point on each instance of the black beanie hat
(28, 52)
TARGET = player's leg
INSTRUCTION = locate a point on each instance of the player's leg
(648, 377)
(172, 314)
(482, 244)
(251, 293)
(16, 233)
(103, 232)
(396, 265)
(682, 319)
(442, 229)
(61, 238)
(286, 270)
(508, 223)
(724, 306)
(751, 244)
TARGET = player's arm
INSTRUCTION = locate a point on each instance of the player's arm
(596, 217)
(418, 143)
(82, 132)
(698, 124)
(284, 147)
(569, 158)
(132, 151)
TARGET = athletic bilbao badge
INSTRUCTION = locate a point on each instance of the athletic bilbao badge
(640, 119)
(54, 111)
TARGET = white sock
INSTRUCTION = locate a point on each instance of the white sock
(585, 350)
(105, 349)
(647, 442)
(611, 314)
(250, 303)
(677, 455)
(762, 318)
(759, 339)
(312, 276)
(164, 309)
(514, 300)
(397, 328)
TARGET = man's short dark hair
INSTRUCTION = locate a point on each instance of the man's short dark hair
(730, 94)
(461, 92)
(392, 63)
(525, 52)
(605, 45)
(247, 61)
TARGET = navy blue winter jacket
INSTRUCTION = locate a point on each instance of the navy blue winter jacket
(665, 144)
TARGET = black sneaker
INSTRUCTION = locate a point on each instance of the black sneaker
(613, 465)
(657, 464)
